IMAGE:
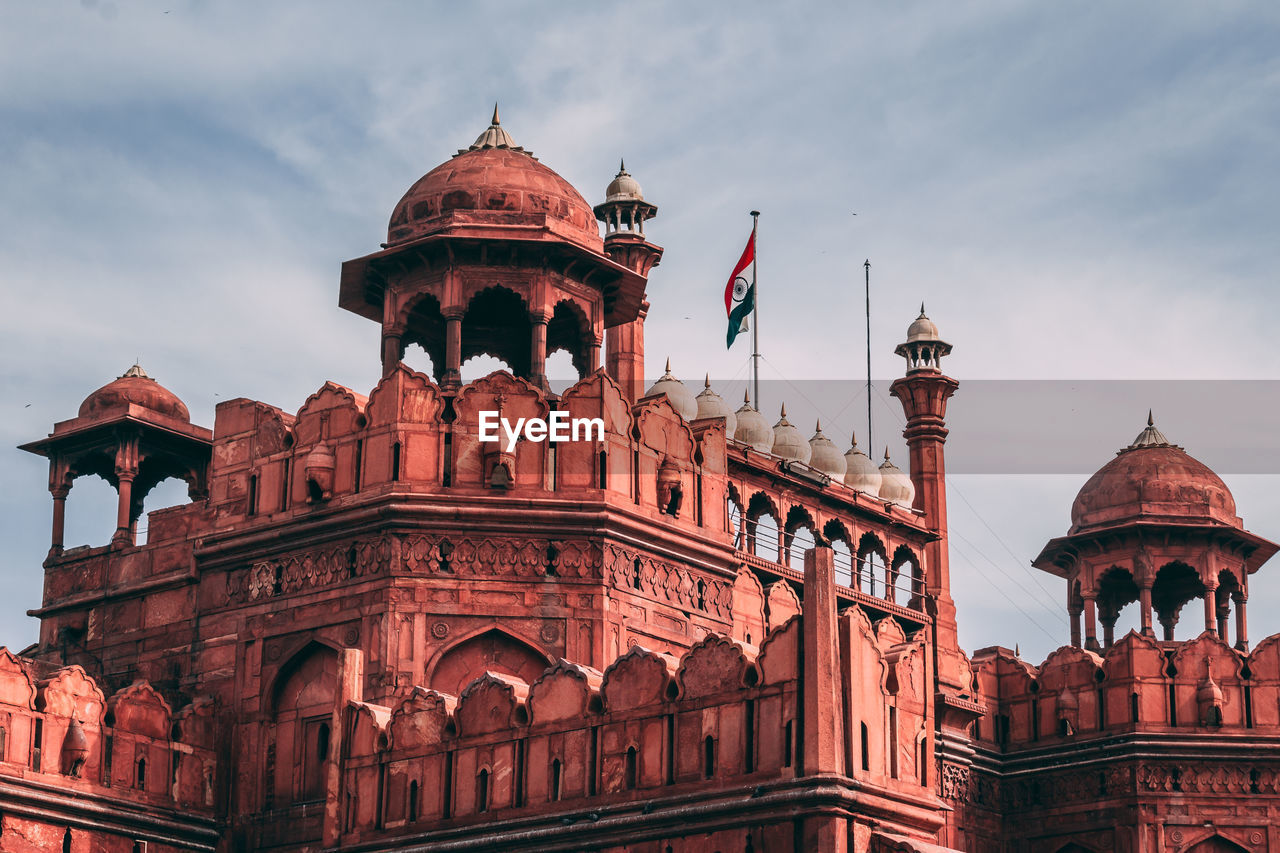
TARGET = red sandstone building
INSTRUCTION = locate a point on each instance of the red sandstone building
(371, 631)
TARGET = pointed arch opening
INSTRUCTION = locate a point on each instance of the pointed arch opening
(497, 324)
(872, 565)
(799, 535)
(1116, 591)
(492, 650)
(424, 330)
(1176, 583)
(568, 344)
(763, 530)
(302, 699)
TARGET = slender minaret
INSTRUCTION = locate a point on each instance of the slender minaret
(924, 392)
(624, 212)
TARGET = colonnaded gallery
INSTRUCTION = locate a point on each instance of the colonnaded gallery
(369, 630)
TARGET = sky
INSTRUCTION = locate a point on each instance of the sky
(1083, 195)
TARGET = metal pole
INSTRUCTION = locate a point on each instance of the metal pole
(755, 310)
(867, 269)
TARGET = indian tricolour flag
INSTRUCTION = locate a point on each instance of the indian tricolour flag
(740, 294)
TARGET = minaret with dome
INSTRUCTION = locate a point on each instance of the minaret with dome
(1157, 527)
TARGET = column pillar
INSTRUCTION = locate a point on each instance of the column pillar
(124, 505)
(1108, 619)
(1242, 623)
(1223, 614)
(538, 351)
(392, 350)
(126, 470)
(1210, 609)
(1091, 622)
(1167, 621)
(452, 374)
(593, 355)
(1144, 602)
(1074, 613)
(59, 517)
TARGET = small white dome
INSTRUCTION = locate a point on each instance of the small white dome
(825, 456)
(712, 405)
(896, 486)
(787, 440)
(682, 399)
(752, 429)
(623, 187)
(860, 472)
(922, 328)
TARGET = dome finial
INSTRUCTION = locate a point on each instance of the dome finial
(921, 307)
(1151, 421)
(817, 425)
(622, 166)
(853, 439)
(784, 410)
(886, 453)
(708, 383)
(746, 396)
(668, 364)
(495, 136)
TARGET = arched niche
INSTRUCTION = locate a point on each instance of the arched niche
(301, 707)
(492, 650)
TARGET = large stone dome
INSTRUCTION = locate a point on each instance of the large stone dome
(494, 182)
(1156, 480)
(137, 388)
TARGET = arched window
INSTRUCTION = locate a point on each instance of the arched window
(413, 801)
(708, 756)
(140, 778)
(555, 780)
(866, 749)
(482, 791)
(632, 771)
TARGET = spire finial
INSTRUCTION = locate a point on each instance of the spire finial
(622, 166)
(668, 364)
(708, 385)
(784, 410)
(495, 121)
(817, 425)
(921, 307)
(1151, 421)
(746, 396)
(886, 453)
(853, 440)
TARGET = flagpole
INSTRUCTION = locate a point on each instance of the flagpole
(867, 269)
(755, 310)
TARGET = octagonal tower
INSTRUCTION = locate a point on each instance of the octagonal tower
(493, 253)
